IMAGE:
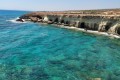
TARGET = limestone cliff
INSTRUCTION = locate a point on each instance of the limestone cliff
(98, 20)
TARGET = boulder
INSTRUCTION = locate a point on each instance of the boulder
(20, 20)
(50, 22)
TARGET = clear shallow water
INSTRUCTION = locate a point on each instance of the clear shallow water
(32, 51)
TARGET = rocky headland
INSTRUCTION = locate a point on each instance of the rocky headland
(106, 20)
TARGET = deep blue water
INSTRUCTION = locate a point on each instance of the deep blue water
(32, 51)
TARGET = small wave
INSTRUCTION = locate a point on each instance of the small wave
(90, 31)
(14, 20)
(44, 34)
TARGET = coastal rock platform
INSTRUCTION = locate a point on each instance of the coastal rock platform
(107, 20)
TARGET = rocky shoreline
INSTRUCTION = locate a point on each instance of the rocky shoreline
(91, 31)
(105, 22)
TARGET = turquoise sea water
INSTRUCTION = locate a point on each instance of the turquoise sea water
(32, 51)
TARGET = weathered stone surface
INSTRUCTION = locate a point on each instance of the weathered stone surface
(34, 19)
(98, 20)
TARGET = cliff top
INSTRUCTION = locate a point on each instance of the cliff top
(102, 12)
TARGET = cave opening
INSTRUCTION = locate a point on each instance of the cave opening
(62, 21)
(67, 22)
(50, 20)
(107, 27)
(118, 30)
(39, 17)
(56, 20)
(96, 26)
(82, 25)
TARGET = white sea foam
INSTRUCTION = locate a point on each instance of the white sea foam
(90, 31)
(14, 20)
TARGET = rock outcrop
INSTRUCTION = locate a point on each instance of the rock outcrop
(20, 20)
(97, 20)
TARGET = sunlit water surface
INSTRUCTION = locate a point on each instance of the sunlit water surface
(32, 51)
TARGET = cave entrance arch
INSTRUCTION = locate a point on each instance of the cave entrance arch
(40, 17)
(50, 20)
(96, 26)
(67, 22)
(118, 30)
(107, 27)
(82, 25)
(62, 21)
(56, 20)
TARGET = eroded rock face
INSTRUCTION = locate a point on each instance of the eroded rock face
(115, 29)
(98, 20)
(34, 19)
